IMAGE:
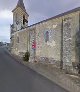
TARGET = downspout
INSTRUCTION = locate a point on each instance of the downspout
(61, 63)
(79, 31)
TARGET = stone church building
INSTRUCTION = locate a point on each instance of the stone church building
(55, 40)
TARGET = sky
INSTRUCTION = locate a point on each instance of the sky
(38, 10)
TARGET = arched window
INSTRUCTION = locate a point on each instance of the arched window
(23, 19)
(46, 36)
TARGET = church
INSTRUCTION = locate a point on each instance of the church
(55, 40)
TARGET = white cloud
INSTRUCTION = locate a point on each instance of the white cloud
(5, 34)
(5, 14)
(5, 31)
(5, 21)
(37, 9)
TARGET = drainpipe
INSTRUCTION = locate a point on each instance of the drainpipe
(61, 63)
(79, 31)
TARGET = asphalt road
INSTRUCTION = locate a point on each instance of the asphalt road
(15, 77)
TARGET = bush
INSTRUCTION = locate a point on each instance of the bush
(78, 66)
(26, 56)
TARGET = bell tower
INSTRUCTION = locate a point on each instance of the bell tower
(20, 16)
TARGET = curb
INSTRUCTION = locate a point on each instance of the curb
(59, 78)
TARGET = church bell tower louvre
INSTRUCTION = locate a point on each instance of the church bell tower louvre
(20, 17)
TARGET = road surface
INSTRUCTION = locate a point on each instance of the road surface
(15, 77)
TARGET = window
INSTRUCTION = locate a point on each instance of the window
(23, 19)
(46, 36)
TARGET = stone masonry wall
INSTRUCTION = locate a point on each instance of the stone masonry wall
(49, 51)
(18, 16)
(21, 39)
(70, 28)
(55, 40)
(32, 44)
(61, 44)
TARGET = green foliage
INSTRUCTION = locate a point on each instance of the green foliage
(26, 56)
(78, 66)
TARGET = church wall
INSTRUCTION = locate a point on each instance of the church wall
(14, 47)
(18, 16)
(49, 51)
(32, 43)
(62, 40)
(21, 42)
(56, 40)
(70, 28)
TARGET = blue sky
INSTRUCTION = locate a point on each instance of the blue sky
(37, 9)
